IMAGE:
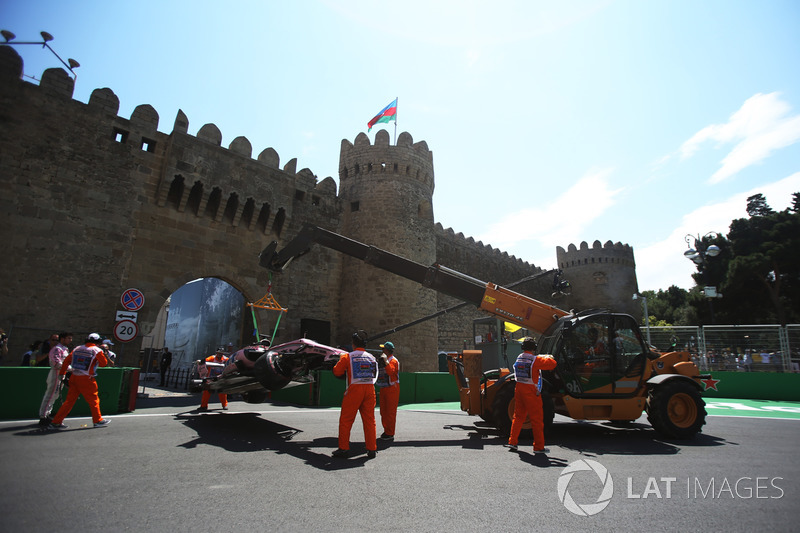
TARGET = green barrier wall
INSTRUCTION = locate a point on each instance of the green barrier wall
(418, 387)
(435, 387)
(298, 394)
(23, 388)
(756, 386)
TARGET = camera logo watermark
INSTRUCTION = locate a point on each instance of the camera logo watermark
(585, 509)
(660, 488)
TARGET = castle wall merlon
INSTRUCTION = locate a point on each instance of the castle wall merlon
(56, 82)
(362, 140)
(11, 64)
(210, 133)
(382, 138)
(305, 180)
(291, 167)
(181, 124)
(145, 118)
(270, 158)
(105, 100)
(241, 146)
(405, 139)
(326, 186)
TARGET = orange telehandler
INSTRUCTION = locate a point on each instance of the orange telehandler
(605, 370)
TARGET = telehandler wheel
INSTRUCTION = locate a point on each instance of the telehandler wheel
(255, 396)
(548, 412)
(676, 409)
(503, 412)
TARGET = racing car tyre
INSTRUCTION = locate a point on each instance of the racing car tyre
(267, 371)
(255, 396)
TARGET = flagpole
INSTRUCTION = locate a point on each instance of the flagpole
(397, 103)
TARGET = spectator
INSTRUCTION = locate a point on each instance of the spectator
(747, 361)
(361, 370)
(84, 361)
(43, 357)
(3, 344)
(389, 385)
(112, 357)
(166, 364)
(29, 357)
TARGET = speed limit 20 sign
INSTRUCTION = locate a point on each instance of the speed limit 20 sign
(126, 330)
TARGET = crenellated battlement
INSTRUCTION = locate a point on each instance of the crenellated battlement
(613, 253)
(406, 159)
(196, 171)
(458, 239)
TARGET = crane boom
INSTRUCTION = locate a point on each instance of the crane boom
(490, 297)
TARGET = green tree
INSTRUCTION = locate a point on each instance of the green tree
(763, 269)
(670, 307)
(757, 206)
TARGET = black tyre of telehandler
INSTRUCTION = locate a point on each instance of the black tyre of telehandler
(503, 412)
(676, 410)
(255, 396)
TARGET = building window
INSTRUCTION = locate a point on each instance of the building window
(353, 206)
(148, 145)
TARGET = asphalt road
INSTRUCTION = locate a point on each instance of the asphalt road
(167, 468)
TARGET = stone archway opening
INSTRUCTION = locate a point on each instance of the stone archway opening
(201, 316)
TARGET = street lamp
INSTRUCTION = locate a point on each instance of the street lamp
(698, 255)
(637, 296)
(46, 38)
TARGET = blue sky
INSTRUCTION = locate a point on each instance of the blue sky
(550, 123)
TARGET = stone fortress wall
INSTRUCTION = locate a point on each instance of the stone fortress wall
(94, 204)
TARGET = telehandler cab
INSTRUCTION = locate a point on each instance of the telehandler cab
(605, 370)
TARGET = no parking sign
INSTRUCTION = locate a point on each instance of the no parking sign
(132, 299)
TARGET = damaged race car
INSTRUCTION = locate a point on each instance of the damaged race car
(255, 370)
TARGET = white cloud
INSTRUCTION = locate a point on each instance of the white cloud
(758, 128)
(555, 222)
(662, 263)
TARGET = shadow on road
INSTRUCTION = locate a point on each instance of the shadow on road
(248, 432)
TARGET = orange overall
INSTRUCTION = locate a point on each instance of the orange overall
(206, 397)
(84, 361)
(359, 397)
(528, 401)
(389, 398)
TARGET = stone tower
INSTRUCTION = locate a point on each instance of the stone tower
(387, 202)
(601, 276)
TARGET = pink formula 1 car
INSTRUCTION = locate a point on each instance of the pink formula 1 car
(255, 370)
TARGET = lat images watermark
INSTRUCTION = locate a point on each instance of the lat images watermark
(594, 487)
